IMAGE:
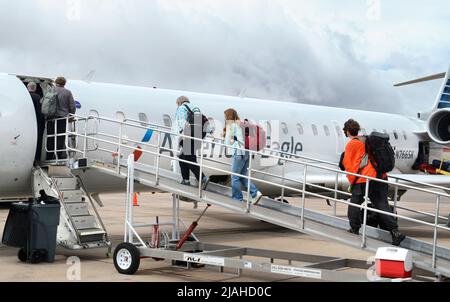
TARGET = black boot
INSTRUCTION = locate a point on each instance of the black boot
(354, 230)
(397, 237)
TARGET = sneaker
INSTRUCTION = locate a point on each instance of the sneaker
(354, 231)
(205, 182)
(185, 182)
(397, 237)
(257, 198)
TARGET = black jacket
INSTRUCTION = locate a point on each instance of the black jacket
(37, 106)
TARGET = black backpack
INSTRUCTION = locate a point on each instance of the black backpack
(196, 125)
(381, 153)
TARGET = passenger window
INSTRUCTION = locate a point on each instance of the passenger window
(93, 113)
(300, 129)
(212, 123)
(327, 130)
(284, 127)
(269, 131)
(338, 131)
(314, 129)
(167, 120)
(144, 119)
(405, 136)
(120, 116)
(395, 135)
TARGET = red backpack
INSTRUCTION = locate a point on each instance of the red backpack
(254, 136)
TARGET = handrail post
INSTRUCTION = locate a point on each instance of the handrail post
(366, 200)
(302, 219)
(283, 173)
(200, 175)
(336, 184)
(86, 121)
(248, 180)
(130, 191)
(436, 220)
(55, 139)
(174, 217)
(158, 159)
(395, 195)
(66, 137)
(128, 199)
(119, 151)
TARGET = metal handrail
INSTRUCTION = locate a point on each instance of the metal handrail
(52, 183)
(286, 187)
(249, 177)
(286, 159)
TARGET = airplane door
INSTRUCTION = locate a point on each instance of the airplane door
(340, 143)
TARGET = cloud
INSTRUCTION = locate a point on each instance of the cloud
(301, 51)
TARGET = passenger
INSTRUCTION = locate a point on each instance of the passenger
(187, 153)
(65, 106)
(354, 155)
(39, 118)
(235, 138)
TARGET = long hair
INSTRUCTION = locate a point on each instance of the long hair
(231, 115)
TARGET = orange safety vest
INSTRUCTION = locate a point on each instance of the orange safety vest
(354, 152)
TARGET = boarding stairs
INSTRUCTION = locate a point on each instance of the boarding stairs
(428, 257)
(81, 226)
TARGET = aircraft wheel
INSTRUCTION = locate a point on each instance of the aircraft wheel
(126, 258)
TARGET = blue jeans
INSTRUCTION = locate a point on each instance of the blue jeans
(240, 166)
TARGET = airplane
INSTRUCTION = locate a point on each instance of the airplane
(294, 128)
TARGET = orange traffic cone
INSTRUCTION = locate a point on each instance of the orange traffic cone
(135, 199)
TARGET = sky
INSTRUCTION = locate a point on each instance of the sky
(346, 53)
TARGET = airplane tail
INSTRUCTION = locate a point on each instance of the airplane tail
(443, 97)
(438, 118)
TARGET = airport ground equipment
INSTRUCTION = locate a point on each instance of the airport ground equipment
(149, 171)
(32, 227)
(191, 229)
(81, 227)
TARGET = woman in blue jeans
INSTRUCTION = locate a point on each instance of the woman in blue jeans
(234, 138)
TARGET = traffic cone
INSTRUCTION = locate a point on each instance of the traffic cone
(135, 199)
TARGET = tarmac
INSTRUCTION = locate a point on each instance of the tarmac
(217, 226)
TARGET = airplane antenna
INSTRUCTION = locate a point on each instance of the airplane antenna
(242, 93)
(88, 78)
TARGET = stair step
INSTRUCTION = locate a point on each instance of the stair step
(84, 222)
(72, 196)
(77, 209)
(91, 235)
(66, 183)
(61, 171)
(94, 231)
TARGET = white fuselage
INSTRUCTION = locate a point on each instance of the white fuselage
(313, 131)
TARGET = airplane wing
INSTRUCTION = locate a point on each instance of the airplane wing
(441, 182)
(423, 180)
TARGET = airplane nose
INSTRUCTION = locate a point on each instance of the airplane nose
(18, 136)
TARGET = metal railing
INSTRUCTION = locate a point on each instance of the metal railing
(121, 149)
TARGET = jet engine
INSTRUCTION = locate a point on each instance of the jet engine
(439, 126)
